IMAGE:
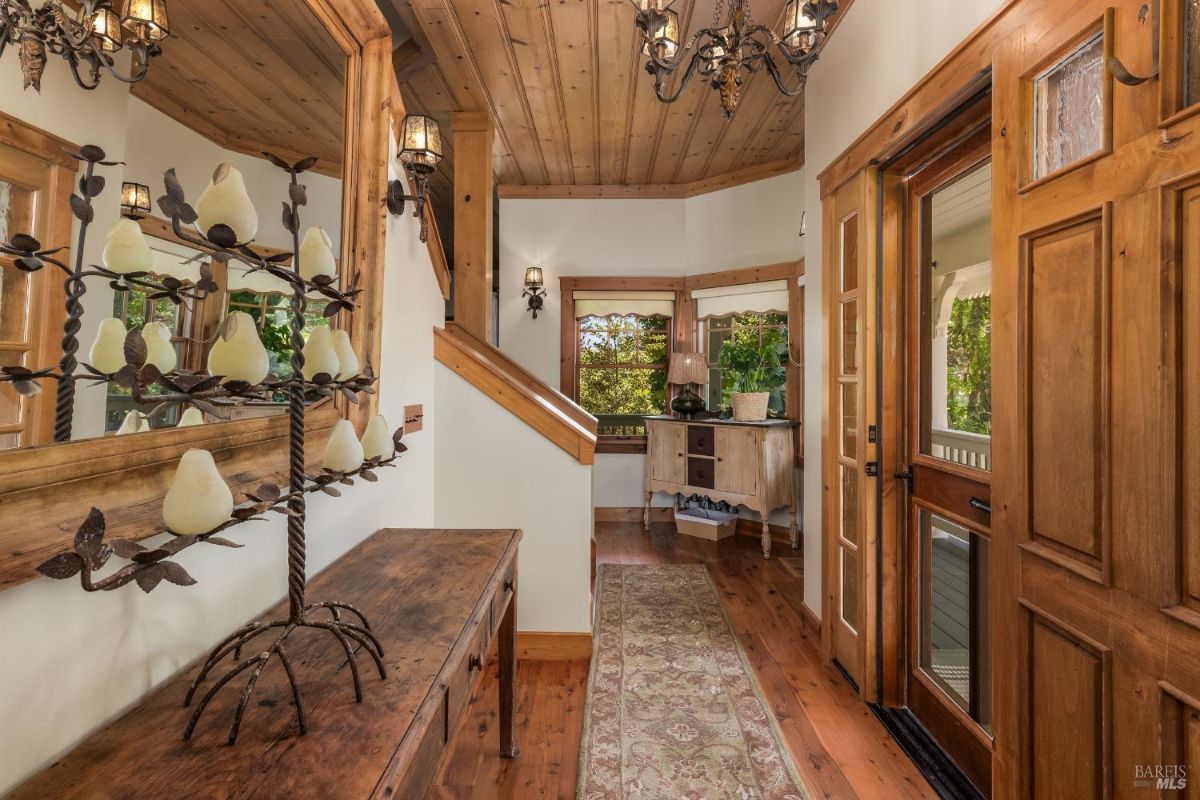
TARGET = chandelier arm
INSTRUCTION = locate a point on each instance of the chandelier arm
(680, 86)
(773, 70)
(670, 65)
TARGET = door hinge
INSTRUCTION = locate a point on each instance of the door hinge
(907, 476)
(872, 468)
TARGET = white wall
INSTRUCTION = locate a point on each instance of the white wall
(879, 51)
(69, 661)
(749, 225)
(494, 471)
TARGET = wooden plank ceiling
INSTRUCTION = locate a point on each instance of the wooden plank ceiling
(253, 76)
(574, 106)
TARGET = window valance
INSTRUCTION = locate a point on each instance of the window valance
(603, 303)
(742, 299)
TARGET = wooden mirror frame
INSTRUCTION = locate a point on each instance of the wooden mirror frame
(46, 491)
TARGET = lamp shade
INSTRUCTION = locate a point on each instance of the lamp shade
(135, 199)
(420, 142)
(663, 34)
(687, 367)
(147, 19)
(800, 28)
(533, 277)
(105, 27)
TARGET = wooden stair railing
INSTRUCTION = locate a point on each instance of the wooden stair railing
(546, 410)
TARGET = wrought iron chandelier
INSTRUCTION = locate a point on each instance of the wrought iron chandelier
(724, 54)
(86, 38)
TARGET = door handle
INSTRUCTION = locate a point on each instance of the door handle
(980, 505)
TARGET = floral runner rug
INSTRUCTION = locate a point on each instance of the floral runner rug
(673, 709)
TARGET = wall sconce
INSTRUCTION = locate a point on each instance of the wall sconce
(534, 290)
(135, 200)
(420, 153)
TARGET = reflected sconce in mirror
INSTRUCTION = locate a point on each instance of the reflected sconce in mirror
(534, 290)
(86, 38)
(135, 200)
(420, 153)
(687, 369)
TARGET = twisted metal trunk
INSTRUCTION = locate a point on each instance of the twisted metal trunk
(64, 401)
(297, 576)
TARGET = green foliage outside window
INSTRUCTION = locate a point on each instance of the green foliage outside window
(270, 313)
(969, 366)
(623, 370)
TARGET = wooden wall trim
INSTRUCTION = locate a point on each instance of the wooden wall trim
(543, 646)
(649, 191)
(633, 514)
(533, 402)
(736, 277)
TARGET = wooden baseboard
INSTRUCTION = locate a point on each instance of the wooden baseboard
(751, 527)
(812, 623)
(634, 514)
(540, 646)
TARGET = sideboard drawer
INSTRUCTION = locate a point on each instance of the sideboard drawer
(464, 676)
(700, 440)
(700, 473)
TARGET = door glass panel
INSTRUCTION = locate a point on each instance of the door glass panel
(850, 337)
(1069, 109)
(850, 504)
(1191, 52)
(956, 414)
(850, 253)
(849, 578)
(953, 613)
(850, 420)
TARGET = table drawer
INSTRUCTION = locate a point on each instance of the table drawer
(464, 675)
(500, 599)
(700, 440)
(700, 473)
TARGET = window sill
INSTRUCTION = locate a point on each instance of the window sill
(629, 445)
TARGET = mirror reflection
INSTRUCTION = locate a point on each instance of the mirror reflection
(198, 113)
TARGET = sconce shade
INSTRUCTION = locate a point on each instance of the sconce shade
(134, 422)
(662, 34)
(687, 368)
(198, 500)
(126, 251)
(316, 255)
(135, 198)
(105, 26)
(240, 355)
(377, 439)
(533, 277)
(420, 142)
(226, 202)
(159, 350)
(319, 355)
(108, 351)
(190, 418)
(147, 19)
(343, 451)
(799, 28)
(347, 359)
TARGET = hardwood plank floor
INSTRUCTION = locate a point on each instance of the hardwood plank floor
(841, 750)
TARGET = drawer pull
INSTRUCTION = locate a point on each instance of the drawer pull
(473, 663)
(508, 585)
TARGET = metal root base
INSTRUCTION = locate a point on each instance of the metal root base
(344, 631)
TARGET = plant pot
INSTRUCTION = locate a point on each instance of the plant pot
(750, 406)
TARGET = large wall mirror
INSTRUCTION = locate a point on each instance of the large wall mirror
(234, 79)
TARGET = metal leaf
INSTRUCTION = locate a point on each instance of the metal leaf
(169, 206)
(62, 566)
(27, 388)
(329, 490)
(289, 219)
(151, 556)
(81, 209)
(136, 350)
(298, 192)
(126, 548)
(208, 383)
(91, 187)
(305, 164)
(268, 491)
(277, 161)
(91, 152)
(89, 540)
(221, 541)
(279, 258)
(25, 242)
(149, 578)
(222, 235)
(176, 574)
(187, 214)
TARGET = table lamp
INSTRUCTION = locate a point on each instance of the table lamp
(687, 368)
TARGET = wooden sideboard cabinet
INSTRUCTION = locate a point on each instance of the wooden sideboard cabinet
(749, 464)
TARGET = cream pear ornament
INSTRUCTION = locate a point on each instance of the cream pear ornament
(226, 202)
(198, 499)
(126, 249)
(347, 359)
(190, 418)
(316, 255)
(134, 422)
(108, 351)
(159, 350)
(238, 354)
(377, 439)
(319, 355)
(343, 451)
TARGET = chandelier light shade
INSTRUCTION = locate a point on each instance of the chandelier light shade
(86, 39)
(732, 48)
(135, 199)
(420, 143)
(147, 19)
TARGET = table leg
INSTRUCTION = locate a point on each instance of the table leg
(646, 511)
(766, 536)
(795, 531)
(508, 679)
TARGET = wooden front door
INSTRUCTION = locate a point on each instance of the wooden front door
(1095, 523)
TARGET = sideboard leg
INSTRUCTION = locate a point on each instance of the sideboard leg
(794, 531)
(646, 511)
(507, 648)
(766, 536)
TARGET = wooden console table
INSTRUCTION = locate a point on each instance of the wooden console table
(749, 464)
(438, 600)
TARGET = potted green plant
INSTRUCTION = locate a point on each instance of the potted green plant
(753, 375)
